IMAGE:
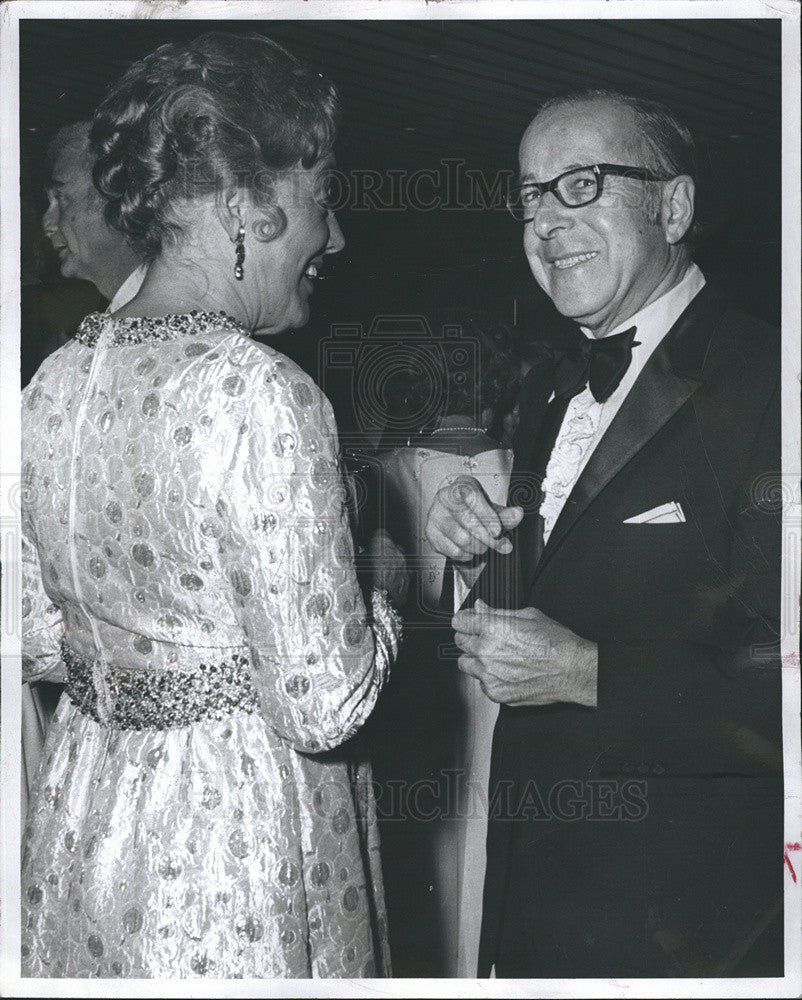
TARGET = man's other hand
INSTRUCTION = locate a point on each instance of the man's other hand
(525, 658)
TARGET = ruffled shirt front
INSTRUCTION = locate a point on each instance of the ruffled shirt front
(586, 421)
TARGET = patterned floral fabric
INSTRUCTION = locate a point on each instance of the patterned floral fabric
(412, 477)
(577, 438)
(184, 534)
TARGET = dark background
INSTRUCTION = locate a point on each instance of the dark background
(416, 93)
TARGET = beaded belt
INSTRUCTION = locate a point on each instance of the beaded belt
(164, 699)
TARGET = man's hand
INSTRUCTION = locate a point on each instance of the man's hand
(463, 523)
(524, 658)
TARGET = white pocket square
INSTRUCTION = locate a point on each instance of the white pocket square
(667, 513)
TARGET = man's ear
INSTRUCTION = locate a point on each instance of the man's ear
(676, 207)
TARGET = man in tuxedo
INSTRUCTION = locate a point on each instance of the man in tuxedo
(624, 608)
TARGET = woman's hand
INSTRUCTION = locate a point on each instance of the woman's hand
(388, 567)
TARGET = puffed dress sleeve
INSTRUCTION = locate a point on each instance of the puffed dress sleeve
(42, 627)
(317, 661)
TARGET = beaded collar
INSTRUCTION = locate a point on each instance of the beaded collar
(139, 329)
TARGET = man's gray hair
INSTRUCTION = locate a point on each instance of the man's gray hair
(75, 135)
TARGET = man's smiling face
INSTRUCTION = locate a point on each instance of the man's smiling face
(601, 262)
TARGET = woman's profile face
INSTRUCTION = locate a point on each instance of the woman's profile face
(288, 265)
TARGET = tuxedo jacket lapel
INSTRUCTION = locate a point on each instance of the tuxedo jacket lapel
(537, 390)
(671, 375)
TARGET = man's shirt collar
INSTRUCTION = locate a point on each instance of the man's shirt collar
(655, 320)
(128, 288)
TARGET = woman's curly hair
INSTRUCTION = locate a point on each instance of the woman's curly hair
(190, 119)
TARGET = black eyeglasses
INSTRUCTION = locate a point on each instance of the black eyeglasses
(574, 188)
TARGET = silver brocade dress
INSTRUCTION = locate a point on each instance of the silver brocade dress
(188, 565)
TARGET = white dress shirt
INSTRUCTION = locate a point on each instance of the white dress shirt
(128, 288)
(586, 421)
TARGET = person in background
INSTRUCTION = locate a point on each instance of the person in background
(87, 246)
(434, 725)
(629, 626)
(187, 563)
(88, 250)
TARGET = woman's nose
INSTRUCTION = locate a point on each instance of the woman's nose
(336, 238)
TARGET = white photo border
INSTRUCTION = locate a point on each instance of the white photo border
(12, 13)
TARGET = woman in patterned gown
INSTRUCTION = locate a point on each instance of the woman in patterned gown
(188, 568)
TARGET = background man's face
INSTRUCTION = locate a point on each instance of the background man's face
(598, 263)
(74, 220)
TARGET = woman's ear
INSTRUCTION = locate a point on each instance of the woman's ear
(231, 210)
(677, 205)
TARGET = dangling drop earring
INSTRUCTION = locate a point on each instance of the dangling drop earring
(239, 249)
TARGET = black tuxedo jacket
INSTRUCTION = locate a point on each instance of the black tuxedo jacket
(643, 837)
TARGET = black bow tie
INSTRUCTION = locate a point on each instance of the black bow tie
(599, 364)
